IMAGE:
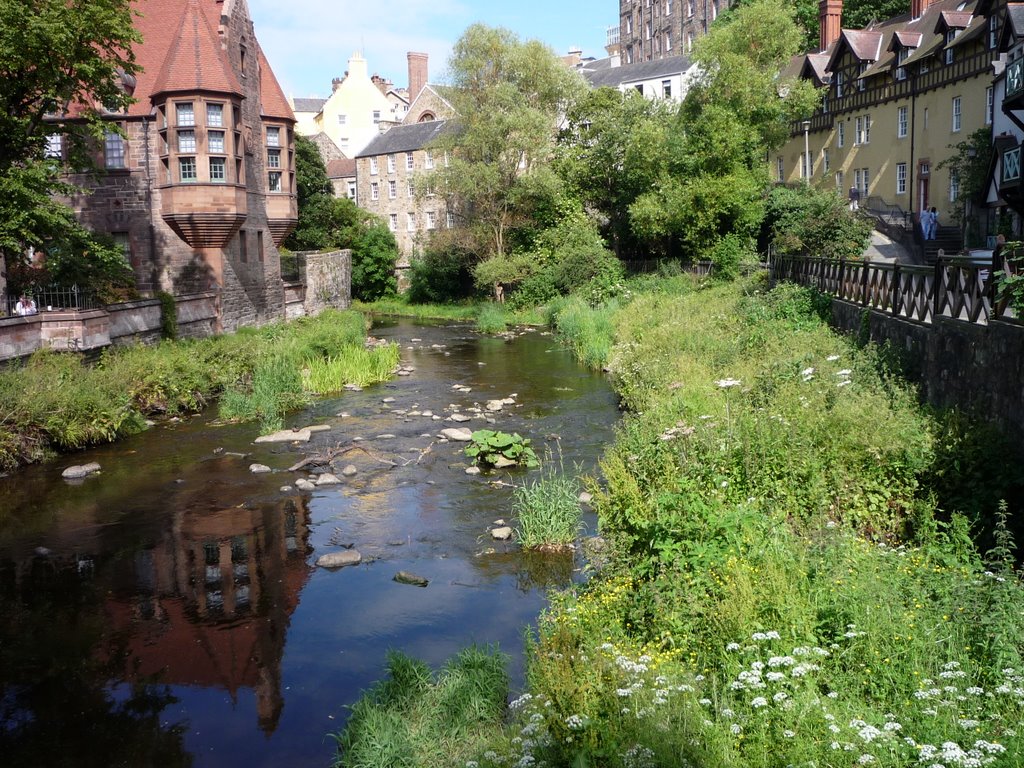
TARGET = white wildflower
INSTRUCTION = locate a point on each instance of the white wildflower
(758, 702)
(728, 383)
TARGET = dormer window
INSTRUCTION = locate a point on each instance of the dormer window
(861, 82)
(950, 37)
(901, 71)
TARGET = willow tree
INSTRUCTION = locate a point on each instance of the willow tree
(509, 97)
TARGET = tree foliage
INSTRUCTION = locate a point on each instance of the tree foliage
(804, 220)
(508, 96)
(327, 222)
(970, 166)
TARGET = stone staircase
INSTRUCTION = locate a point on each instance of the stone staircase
(947, 239)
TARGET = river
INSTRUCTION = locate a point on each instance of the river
(168, 611)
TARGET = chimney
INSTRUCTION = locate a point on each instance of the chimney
(918, 7)
(337, 82)
(417, 74)
(830, 14)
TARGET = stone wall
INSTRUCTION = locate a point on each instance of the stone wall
(328, 279)
(978, 368)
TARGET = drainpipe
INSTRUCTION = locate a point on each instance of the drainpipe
(153, 275)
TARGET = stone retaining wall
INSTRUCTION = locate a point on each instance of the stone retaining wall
(975, 367)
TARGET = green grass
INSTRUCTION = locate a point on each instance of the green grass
(351, 365)
(466, 312)
(548, 510)
(54, 402)
(491, 318)
(412, 718)
(589, 332)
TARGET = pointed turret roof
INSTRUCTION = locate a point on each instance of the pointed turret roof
(272, 99)
(196, 60)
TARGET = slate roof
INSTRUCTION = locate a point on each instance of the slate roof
(599, 76)
(309, 105)
(405, 138)
(1015, 13)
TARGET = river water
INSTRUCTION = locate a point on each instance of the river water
(168, 611)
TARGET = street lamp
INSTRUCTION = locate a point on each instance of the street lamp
(807, 152)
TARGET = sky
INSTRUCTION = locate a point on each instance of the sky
(309, 42)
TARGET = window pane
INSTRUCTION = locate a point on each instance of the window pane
(273, 137)
(113, 150)
(274, 181)
(274, 158)
(185, 113)
(216, 141)
(215, 115)
(217, 171)
(186, 141)
(187, 168)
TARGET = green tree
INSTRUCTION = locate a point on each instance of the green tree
(56, 57)
(970, 166)
(804, 220)
(612, 150)
(327, 222)
(508, 96)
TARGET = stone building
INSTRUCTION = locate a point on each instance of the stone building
(897, 96)
(200, 189)
(387, 174)
(657, 29)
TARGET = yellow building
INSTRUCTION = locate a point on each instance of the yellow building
(897, 96)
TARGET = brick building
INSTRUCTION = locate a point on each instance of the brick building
(200, 190)
(658, 29)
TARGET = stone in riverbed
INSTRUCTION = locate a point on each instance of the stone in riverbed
(404, 577)
(304, 485)
(458, 435)
(349, 470)
(339, 559)
(586, 498)
(78, 471)
(259, 469)
(500, 462)
(494, 405)
(501, 534)
(286, 436)
(459, 418)
(472, 470)
(327, 479)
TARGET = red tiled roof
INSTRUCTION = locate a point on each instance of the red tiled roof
(195, 60)
(272, 99)
(957, 19)
(907, 38)
(341, 168)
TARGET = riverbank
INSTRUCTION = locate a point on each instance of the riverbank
(792, 582)
(54, 402)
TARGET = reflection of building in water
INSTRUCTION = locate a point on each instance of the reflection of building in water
(208, 605)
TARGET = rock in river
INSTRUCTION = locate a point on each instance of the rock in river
(458, 435)
(259, 469)
(502, 534)
(286, 436)
(79, 471)
(339, 559)
(327, 479)
(404, 577)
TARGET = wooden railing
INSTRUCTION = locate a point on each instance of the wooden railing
(953, 288)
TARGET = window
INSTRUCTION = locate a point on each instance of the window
(185, 113)
(691, 7)
(861, 80)
(274, 181)
(840, 82)
(824, 162)
(342, 119)
(392, 189)
(428, 160)
(410, 222)
(215, 115)
(668, 41)
(803, 165)
(901, 71)
(839, 183)
(218, 172)
(901, 178)
(950, 36)
(647, 30)
(993, 23)
(186, 169)
(901, 123)
(55, 146)
(689, 42)
(860, 177)
(374, 191)
(186, 141)
(351, 190)
(344, 144)
(410, 189)
(989, 105)
(123, 241)
(431, 220)
(409, 161)
(780, 168)
(430, 188)
(450, 219)
(956, 114)
(858, 131)
(867, 129)
(393, 222)
(373, 166)
(273, 158)
(113, 149)
(215, 141)
(273, 137)
(666, 89)
(376, 116)
(841, 135)
(391, 163)
(954, 186)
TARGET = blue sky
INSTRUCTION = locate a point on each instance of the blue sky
(309, 42)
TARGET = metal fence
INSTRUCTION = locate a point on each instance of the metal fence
(51, 298)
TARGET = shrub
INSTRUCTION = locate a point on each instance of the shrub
(804, 220)
(374, 254)
(440, 274)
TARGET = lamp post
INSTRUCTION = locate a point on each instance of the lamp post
(807, 152)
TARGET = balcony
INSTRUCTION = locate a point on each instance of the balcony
(1009, 177)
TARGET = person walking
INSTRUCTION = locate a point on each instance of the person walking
(854, 198)
(933, 223)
